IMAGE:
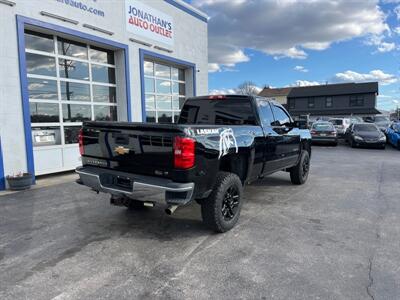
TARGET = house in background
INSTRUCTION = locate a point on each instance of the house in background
(342, 99)
(279, 94)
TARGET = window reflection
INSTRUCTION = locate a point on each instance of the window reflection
(148, 68)
(151, 116)
(71, 134)
(71, 48)
(164, 117)
(75, 91)
(44, 112)
(39, 41)
(164, 102)
(42, 89)
(46, 136)
(74, 69)
(103, 74)
(105, 113)
(102, 55)
(163, 86)
(40, 64)
(104, 94)
(162, 71)
(76, 112)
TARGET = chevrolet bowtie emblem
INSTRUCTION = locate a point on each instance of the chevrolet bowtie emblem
(121, 150)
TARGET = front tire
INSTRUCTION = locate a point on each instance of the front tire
(299, 173)
(221, 210)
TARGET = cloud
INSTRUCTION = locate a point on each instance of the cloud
(378, 41)
(305, 83)
(213, 67)
(374, 75)
(286, 28)
(300, 69)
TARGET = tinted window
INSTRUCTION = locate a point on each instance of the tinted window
(42, 89)
(74, 69)
(75, 91)
(280, 115)
(365, 127)
(40, 64)
(71, 48)
(101, 55)
(266, 115)
(229, 111)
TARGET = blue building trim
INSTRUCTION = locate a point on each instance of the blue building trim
(187, 10)
(21, 23)
(2, 178)
(153, 55)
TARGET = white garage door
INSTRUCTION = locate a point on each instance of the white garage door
(68, 82)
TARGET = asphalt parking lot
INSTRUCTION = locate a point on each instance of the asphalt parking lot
(336, 237)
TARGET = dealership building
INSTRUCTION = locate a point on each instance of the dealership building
(67, 61)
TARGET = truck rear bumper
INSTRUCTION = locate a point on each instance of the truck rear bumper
(134, 186)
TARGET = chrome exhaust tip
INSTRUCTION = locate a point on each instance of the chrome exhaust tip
(171, 209)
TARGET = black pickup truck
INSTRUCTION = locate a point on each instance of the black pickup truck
(219, 144)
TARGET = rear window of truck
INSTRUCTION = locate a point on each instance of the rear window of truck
(227, 111)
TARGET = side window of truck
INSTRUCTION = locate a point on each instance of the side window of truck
(266, 116)
(281, 117)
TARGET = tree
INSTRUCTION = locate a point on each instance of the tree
(248, 88)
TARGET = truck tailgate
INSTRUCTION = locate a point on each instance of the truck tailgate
(130, 147)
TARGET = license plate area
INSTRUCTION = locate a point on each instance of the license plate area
(123, 182)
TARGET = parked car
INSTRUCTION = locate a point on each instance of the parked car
(341, 125)
(365, 135)
(382, 122)
(219, 144)
(393, 134)
(324, 132)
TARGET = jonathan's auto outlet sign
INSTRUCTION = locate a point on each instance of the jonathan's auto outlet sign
(148, 22)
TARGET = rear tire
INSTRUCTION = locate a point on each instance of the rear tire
(221, 210)
(299, 173)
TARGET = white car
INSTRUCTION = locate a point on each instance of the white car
(341, 125)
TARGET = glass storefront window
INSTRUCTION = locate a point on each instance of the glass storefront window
(40, 64)
(44, 112)
(46, 136)
(71, 134)
(72, 95)
(102, 55)
(105, 113)
(39, 41)
(165, 91)
(148, 68)
(162, 71)
(71, 48)
(103, 93)
(103, 74)
(73, 69)
(76, 112)
(44, 89)
(72, 91)
(163, 86)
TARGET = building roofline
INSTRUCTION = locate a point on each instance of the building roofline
(190, 9)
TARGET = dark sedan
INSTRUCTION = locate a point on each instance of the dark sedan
(324, 132)
(365, 135)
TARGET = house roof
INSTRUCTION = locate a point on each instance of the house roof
(269, 92)
(340, 111)
(334, 89)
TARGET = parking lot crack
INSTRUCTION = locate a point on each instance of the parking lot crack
(371, 279)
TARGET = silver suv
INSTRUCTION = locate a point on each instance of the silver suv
(341, 125)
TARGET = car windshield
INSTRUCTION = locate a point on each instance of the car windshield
(365, 127)
(323, 127)
(336, 121)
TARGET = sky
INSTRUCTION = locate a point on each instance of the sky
(282, 43)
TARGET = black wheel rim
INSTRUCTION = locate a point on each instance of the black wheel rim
(305, 167)
(230, 204)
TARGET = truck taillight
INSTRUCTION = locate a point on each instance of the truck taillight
(80, 141)
(184, 152)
